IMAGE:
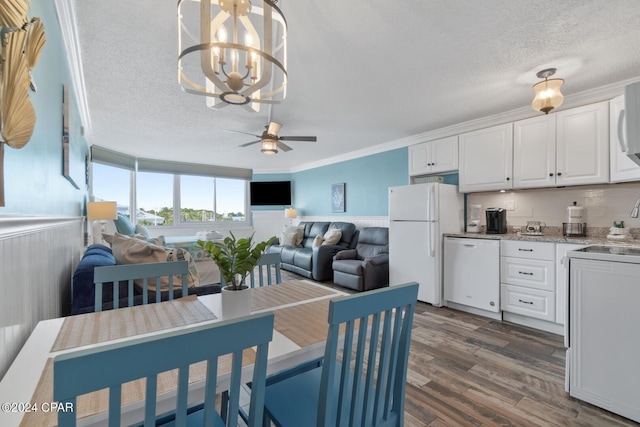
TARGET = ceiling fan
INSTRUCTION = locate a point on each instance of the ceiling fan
(271, 141)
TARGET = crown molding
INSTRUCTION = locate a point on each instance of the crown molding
(67, 18)
(590, 96)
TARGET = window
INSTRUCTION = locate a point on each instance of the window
(170, 193)
(112, 184)
(154, 198)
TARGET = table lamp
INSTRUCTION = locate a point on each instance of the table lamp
(290, 214)
(101, 212)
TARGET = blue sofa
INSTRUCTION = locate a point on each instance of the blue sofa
(316, 263)
(83, 288)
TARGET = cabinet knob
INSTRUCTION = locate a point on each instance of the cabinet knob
(508, 178)
(559, 173)
(550, 174)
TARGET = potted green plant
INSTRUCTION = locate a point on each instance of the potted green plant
(236, 259)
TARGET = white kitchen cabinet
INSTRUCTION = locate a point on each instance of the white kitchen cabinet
(534, 152)
(582, 145)
(486, 159)
(471, 273)
(527, 279)
(440, 155)
(621, 167)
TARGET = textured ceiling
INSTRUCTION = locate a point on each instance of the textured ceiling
(361, 73)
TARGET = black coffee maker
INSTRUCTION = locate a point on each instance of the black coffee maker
(496, 220)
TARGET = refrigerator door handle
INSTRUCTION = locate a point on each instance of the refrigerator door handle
(432, 243)
(431, 204)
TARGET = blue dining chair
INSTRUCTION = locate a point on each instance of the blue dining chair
(113, 274)
(263, 271)
(111, 365)
(363, 377)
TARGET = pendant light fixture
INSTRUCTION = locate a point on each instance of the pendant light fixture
(269, 146)
(548, 95)
(232, 52)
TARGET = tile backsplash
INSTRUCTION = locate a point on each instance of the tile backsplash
(604, 204)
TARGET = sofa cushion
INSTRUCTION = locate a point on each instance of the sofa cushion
(303, 258)
(349, 233)
(311, 230)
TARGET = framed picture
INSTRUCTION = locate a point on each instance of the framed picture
(72, 161)
(338, 197)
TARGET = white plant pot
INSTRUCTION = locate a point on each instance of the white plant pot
(235, 303)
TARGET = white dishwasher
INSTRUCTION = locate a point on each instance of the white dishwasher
(472, 273)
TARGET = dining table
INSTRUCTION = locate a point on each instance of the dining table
(300, 309)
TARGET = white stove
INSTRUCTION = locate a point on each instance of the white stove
(608, 253)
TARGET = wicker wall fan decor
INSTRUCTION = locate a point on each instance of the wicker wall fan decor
(21, 44)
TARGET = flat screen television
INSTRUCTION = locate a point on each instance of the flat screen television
(270, 193)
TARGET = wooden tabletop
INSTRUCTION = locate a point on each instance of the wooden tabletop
(300, 308)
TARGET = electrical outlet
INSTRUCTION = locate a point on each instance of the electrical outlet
(510, 205)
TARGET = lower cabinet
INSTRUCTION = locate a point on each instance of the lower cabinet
(527, 279)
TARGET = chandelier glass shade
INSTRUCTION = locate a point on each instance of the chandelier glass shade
(547, 92)
(232, 52)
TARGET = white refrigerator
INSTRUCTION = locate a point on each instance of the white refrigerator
(418, 216)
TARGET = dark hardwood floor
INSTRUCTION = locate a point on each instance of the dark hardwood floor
(467, 370)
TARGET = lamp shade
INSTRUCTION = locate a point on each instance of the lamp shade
(98, 211)
(290, 213)
(548, 95)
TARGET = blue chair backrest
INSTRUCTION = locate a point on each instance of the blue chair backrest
(130, 272)
(372, 393)
(111, 365)
(265, 264)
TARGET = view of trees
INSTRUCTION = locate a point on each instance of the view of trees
(188, 215)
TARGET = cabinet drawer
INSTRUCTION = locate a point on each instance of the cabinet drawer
(530, 273)
(528, 302)
(529, 250)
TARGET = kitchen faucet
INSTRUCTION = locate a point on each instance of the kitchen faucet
(634, 211)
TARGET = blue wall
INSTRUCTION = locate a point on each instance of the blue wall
(33, 178)
(366, 179)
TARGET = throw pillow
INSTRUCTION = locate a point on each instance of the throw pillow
(317, 241)
(332, 236)
(292, 234)
(107, 238)
(178, 254)
(141, 229)
(131, 250)
(123, 225)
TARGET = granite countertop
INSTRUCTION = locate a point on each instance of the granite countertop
(550, 237)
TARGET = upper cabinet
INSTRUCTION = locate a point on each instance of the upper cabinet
(485, 160)
(582, 151)
(621, 167)
(534, 152)
(440, 155)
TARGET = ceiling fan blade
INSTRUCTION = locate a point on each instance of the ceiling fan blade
(244, 133)
(273, 128)
(298, 138)
(283, 146)
(249, 143)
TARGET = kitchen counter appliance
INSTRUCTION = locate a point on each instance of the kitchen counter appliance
(496, 220)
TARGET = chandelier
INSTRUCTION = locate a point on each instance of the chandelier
(232, 52)
(548, 95)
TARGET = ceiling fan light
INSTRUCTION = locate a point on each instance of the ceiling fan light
(269, 146)
(547, 95)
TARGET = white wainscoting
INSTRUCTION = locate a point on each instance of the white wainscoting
(270, 223)
(37, 258)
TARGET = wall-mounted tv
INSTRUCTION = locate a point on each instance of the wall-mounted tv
(270, 193)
